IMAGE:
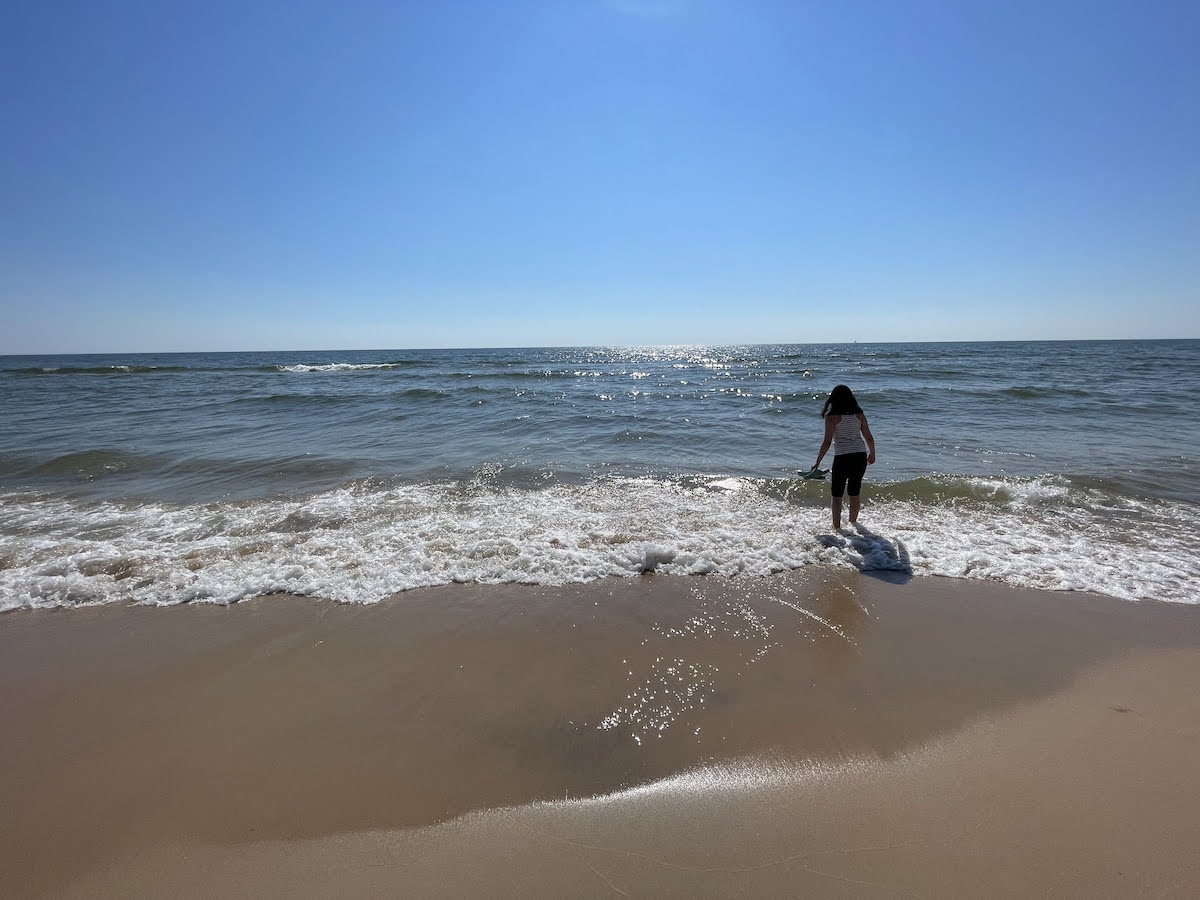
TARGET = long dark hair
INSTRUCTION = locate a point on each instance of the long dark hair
(841, 402)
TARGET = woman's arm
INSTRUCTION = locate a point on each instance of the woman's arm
(830, 422)
(866, 432)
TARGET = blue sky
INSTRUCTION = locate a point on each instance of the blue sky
(307, 175)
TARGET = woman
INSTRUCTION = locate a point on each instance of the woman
(853, 449)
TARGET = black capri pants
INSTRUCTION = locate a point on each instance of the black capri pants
(848, 472)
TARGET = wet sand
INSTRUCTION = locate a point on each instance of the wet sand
(821, 732)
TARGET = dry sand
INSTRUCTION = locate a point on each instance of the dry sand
(818, 733)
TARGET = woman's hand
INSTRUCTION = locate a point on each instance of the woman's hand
(866, 432)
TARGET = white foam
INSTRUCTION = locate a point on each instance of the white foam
(361, 543)
(339, 367)
(1054, 549)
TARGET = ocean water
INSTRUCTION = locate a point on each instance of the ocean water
(352, 476)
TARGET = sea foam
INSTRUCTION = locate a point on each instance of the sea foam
(367, 541)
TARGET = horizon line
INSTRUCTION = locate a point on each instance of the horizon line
(600, 346)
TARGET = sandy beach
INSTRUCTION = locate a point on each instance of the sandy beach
(823, 733)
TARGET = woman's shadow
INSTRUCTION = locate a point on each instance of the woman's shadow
(871, 553)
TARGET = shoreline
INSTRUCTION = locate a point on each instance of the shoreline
(284, 728)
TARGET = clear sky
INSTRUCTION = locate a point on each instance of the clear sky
(219, 175)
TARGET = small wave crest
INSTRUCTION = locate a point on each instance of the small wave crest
(295, 400)
(91, 463)
(335, 367)
(1037, 393)
(97, 370)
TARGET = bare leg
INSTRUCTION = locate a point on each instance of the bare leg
(853, 510)
(837, 513)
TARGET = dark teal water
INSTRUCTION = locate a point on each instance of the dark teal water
(164, 478)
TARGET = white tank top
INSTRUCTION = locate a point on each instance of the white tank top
(847, 436)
